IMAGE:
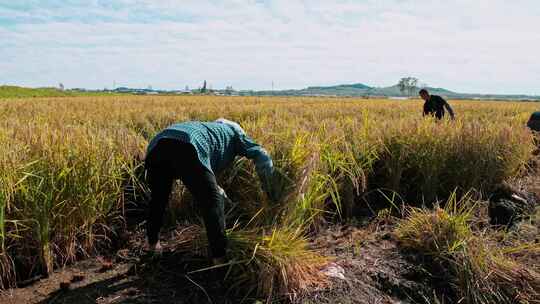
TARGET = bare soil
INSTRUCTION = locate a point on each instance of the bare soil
(375, 271)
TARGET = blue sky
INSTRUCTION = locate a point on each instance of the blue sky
(485, 46)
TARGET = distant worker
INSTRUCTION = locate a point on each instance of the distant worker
(195, 152)
(534, 122)
(434, 105)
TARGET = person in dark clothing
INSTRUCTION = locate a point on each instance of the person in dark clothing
(194, 152)
(534, 122)
(434, 105)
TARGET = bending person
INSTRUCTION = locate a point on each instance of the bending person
(434, 105)
(534, 122)
(195, 152)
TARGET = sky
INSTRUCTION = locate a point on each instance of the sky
(480, 46)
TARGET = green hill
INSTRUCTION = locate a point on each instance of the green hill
(15, 91)
(7, 91)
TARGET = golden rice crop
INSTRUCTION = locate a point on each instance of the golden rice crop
(64, 162)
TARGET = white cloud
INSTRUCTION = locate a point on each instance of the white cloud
(481, 46)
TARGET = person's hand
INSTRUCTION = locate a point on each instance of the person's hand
(279, 186)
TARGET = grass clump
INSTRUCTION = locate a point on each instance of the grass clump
(266, 263)
(479, 270)
(439, 232)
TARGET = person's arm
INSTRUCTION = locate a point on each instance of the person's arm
(449, 109)
(262, 160)
(426, 109)
(247, 147)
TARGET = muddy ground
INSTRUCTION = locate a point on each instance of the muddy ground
(374, 271)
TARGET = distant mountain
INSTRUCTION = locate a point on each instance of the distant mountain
(359, 86)
(360, 89)
(357, 89)
(395, 91)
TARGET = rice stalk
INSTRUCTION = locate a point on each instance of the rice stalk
(270, 263)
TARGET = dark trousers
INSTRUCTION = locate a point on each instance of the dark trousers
(169, 160)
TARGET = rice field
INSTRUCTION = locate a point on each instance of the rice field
(68, 165)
